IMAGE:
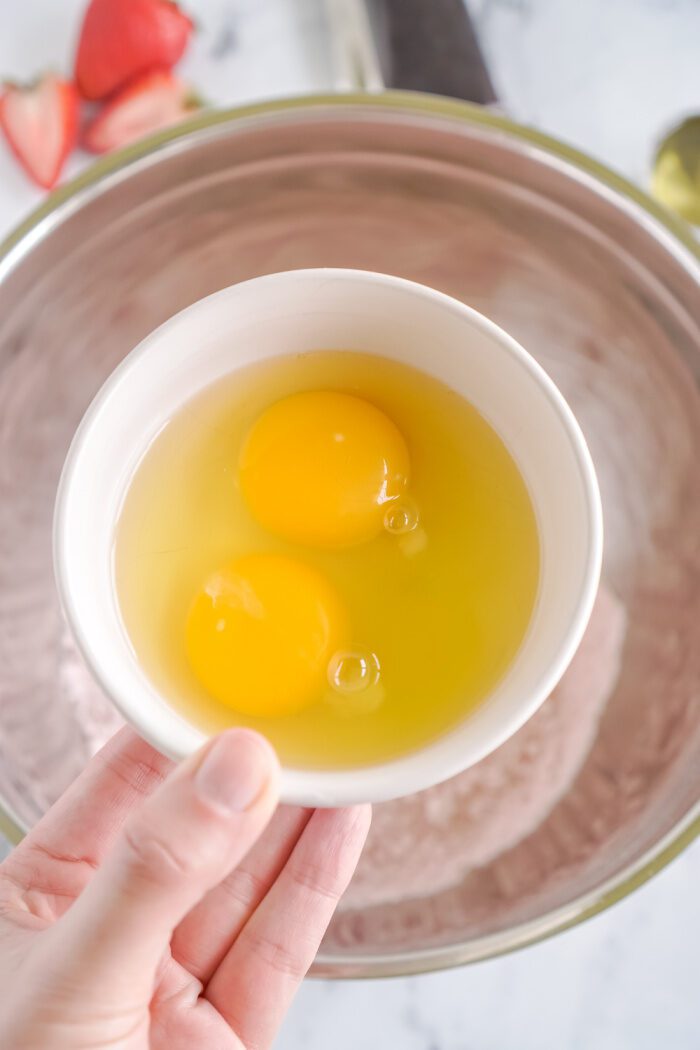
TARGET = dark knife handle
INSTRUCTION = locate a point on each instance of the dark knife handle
(430, 45)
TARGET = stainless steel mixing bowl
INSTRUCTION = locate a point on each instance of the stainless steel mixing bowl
(585, 271)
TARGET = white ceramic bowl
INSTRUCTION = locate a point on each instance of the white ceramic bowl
(303, 310)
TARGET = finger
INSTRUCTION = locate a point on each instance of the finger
(205, 935)
(256, 981)
(59, 856)
(183, 841)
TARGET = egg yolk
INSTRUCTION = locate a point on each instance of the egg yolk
(319, 468)
(261, 632)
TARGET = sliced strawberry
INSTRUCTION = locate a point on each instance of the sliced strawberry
(123, 39)
(155, 101)
(41, 125)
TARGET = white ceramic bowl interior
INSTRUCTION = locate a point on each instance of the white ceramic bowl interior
(303, 310)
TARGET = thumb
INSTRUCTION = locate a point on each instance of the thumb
(183, 841)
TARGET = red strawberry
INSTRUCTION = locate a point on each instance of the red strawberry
(150, 103)
(41, 125)
(122, 39)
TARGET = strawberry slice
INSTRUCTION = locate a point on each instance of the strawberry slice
(155, 101)
(123, 39)
(41, 125)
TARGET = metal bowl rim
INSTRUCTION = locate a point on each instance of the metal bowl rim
(664, 225)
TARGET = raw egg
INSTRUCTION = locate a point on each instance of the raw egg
(250, 596)
(261, 632)
(320, 468)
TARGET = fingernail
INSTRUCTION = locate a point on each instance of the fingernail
(235, 770)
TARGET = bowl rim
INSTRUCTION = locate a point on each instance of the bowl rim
(675, 235)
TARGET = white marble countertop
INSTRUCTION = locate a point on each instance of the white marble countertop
(608, 76)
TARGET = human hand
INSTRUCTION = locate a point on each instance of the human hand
(141, 914)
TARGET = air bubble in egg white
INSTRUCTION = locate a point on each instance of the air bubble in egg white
(353, 671)
(401, 516)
